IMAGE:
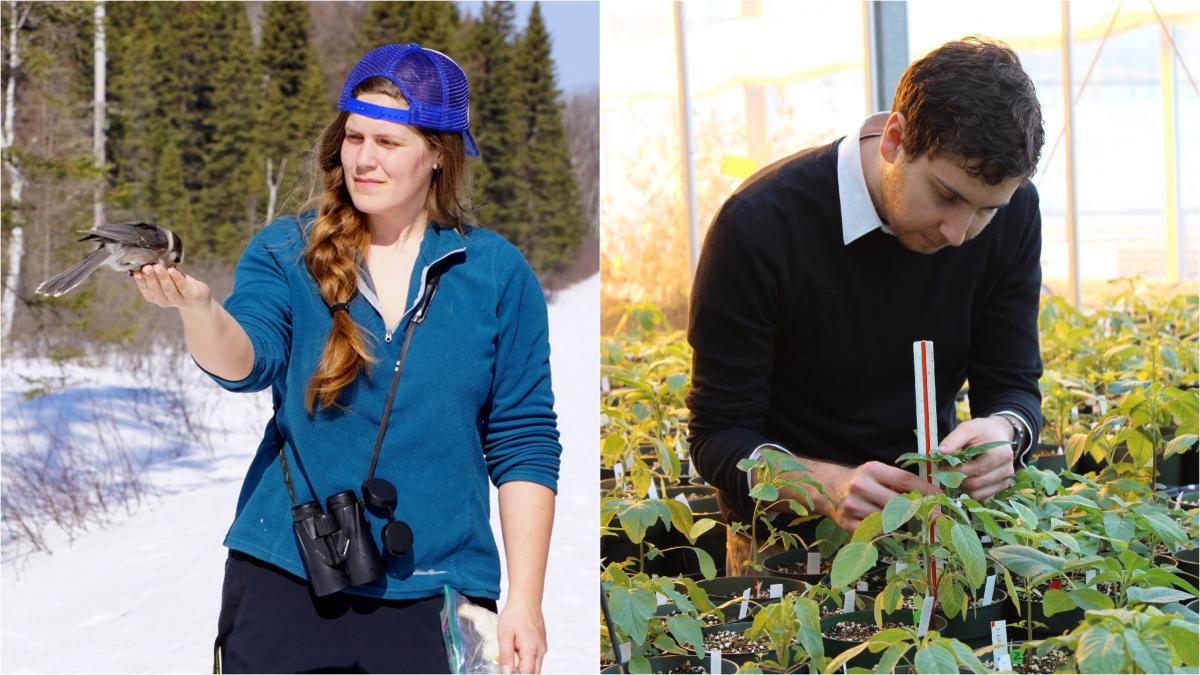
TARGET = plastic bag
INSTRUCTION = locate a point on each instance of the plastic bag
(470, 634)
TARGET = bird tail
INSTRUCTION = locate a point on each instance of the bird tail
(63, 283)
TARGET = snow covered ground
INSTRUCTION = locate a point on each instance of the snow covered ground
(141, 594)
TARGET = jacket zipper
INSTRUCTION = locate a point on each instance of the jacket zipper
(387, 335)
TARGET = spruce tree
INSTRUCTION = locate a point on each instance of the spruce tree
(230, 173)
(434, 25)
(293, 111)
(555, 224)
(495, 97)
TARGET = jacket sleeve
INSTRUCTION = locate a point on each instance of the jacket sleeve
(519, 431)
(1005, 362)
(732, 328)
(261, 304)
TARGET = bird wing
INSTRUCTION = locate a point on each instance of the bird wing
(132, 233)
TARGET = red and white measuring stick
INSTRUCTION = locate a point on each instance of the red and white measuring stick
(927, 436)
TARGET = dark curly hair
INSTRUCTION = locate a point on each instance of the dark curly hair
(972, 101)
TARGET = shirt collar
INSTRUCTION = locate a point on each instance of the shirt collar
(858, 211)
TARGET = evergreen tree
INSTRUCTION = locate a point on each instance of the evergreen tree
(132, 101)
(555, 224)
(434, 25)
(499, 188)
(294, 110)
(230, 174)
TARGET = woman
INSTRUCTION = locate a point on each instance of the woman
(324, 306)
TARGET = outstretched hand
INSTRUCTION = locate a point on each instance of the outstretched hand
(172, 288)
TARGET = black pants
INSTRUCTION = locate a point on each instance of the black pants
(272, 623)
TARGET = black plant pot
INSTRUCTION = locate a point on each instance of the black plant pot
(722, 589)
(975, 630)
(666, 664)
(1188, 563)
(1060, 623)
(773, 563)
(865, 658)
(737, 627)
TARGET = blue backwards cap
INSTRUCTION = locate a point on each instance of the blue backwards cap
(431, 82)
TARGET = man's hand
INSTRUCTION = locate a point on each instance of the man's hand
(523, 634)
(863, 490)
(990, 472)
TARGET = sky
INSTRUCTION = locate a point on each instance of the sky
(575, 33)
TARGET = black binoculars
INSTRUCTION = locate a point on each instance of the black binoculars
(336, 546)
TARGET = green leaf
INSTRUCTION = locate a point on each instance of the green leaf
(1117, 527)
(970, 552)
(636, 517)
(707, 568)
(851, 562)
(1100, 651)
(898, 511)
(1090, 598)
(764, 492)
(869, 527)
(676, 382)
(891, 656)
(640, 665)
(1027, 515)
(935, 658)
(1166, 528)
(949, 478)
(1180, 444)
(1025, 561)
(1156, 595)
(808, 616)
(1150, 652)
(700, 527)
(836, 664)
(686, 630)
(681, 515)
(631, 610)
(1055, 601)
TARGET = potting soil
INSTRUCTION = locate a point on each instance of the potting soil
(730, 642)
(853, 631)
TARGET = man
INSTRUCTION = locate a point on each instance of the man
(820, 271)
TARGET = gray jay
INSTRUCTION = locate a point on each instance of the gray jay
(123, 246)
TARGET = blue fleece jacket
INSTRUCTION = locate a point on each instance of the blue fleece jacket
(474, 402)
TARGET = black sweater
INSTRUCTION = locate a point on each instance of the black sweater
(806, 342)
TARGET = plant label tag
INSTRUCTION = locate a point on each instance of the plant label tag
(624, 648)
(813, 564)
(1018, 656)
(679, 451)
(776, 590)
(628, 461)
(604, 386)
(1000, 659)
(926, 613)
(900, 566)
(985, 540)
(714, 661)
(745, 604)
(652, 491)
(683, 500)
(989, 590)
(1178, 500)
(1103, 406)
(662, 599)
(691, 469)
(618, 471)
(862, 587)
(1088, 576)
(848, 605)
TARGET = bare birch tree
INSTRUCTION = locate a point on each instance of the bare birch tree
(16, 240)
(99, 125)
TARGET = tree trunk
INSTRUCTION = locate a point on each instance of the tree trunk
(273, 187)
(16, 241)
(98, 114)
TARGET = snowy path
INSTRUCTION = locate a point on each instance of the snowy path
(142, 594)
